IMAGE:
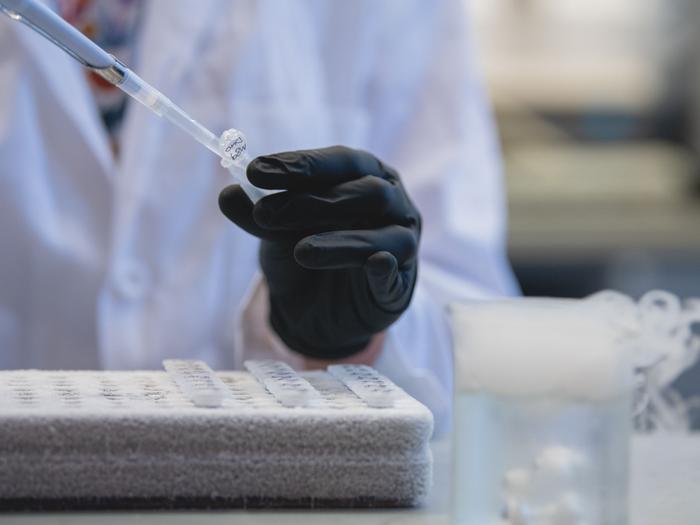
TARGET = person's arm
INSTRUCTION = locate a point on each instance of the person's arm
(429, 117)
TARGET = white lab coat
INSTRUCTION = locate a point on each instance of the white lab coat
(118, 265)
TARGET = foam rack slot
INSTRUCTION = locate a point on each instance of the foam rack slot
(197, 382)
(367, 384)
(284, 383)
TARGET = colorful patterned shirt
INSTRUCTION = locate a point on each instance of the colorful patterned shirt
(112, 25)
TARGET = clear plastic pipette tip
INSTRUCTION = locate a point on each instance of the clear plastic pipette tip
(231, 145)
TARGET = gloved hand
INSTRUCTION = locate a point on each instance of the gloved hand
(339, 247)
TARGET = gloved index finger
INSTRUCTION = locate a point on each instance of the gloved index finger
(312, 169)
(352, 248)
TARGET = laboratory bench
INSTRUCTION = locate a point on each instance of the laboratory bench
(665, 490)
(587, 217)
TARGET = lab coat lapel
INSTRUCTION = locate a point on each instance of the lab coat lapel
(173, 38)
(173, 35)
(66, 82)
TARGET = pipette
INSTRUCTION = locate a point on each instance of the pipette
(231, 146)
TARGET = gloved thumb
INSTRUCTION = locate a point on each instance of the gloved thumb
(385, 282)
(238, 208)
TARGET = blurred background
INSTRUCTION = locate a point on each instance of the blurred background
(598, 109)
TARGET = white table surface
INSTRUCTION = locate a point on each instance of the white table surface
(665, 490)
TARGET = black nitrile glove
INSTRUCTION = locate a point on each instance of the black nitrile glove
(339, 247)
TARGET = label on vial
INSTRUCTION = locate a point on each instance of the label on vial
(233, 148)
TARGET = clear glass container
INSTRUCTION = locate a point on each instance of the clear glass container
(542, 415)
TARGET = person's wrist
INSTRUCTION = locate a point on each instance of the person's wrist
(366, 356)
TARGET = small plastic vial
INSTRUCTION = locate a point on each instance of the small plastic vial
(233, 147)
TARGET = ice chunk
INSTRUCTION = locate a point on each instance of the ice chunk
(559, 460)
(516, 481)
